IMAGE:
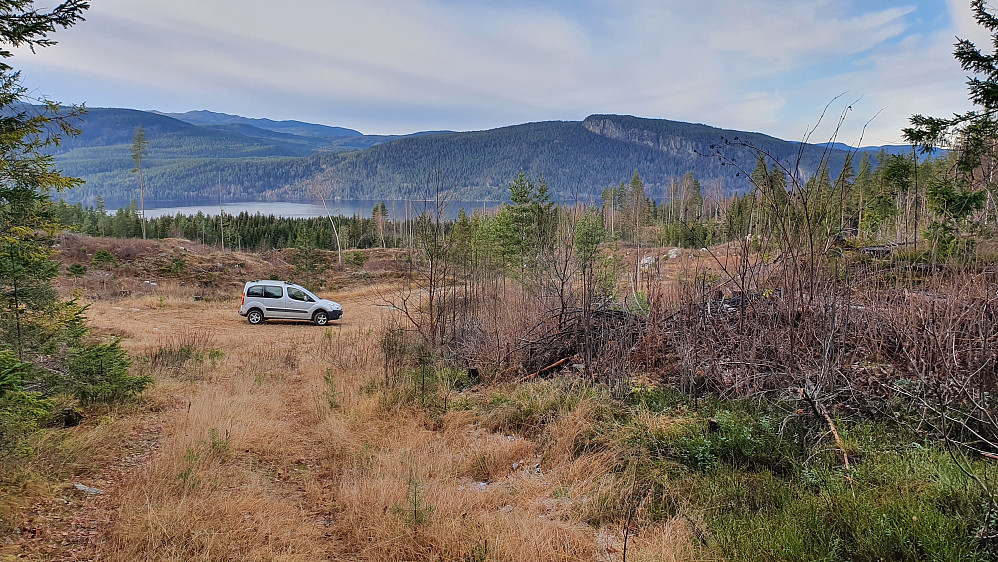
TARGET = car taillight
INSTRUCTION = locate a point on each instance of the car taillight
(244, 300)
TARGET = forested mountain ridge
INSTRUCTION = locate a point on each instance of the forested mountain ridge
(247, 160)
(203, 117)
(690, 142)
(577, 158)
(107, 128)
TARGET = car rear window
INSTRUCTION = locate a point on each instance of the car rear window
(255, 291)
(272, 292)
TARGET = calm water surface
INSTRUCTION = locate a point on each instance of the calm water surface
(396, 209)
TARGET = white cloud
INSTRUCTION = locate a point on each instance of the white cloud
(796, 32)
(392, 66)
(916, 75)
(965, 27)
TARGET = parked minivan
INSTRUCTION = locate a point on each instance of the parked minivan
(265, 300)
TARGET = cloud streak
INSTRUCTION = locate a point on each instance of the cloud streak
(390, 66)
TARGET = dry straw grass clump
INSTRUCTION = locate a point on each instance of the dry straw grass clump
(289, 444)
(212, 490)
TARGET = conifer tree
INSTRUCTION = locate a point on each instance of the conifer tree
(637, 206)
(971, 136)
(42, 339)
(139, 144)
(28, 303)
(861, 192)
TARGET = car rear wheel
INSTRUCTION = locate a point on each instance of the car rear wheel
(254, 316)
(321, 318)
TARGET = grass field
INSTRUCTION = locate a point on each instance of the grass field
(283, 442)
(261, 443)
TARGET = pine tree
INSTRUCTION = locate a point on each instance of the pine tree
(637, 206)
(971, 136)
(139, 144)
(35, 326)
(693, 204)
(861, 192)
(28, 304)
(762, 189)
(526, 227)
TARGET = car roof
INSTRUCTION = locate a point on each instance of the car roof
(274, 281)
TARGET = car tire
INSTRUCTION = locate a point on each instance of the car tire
(254, 316)
(320, 318)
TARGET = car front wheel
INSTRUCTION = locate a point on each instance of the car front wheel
(321, 318)
(254, 316)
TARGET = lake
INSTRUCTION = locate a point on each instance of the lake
(396, 209)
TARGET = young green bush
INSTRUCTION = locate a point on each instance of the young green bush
(767, 485)
(177, 266)
(76, 270)
(738, 439)
(100, 373)
(22, 413)
(356, 259)
(104, 259)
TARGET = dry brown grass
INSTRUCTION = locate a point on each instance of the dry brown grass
(286, 446)
(282, 447)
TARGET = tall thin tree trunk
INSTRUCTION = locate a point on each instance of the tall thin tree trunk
(142, 201)
(339, 250)
(17, 304)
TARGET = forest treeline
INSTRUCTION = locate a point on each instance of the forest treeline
(194, 164)
(880, 197)
(50, 362)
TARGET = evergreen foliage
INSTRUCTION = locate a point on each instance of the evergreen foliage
(972, 137)
(44, 347)
(578, 159)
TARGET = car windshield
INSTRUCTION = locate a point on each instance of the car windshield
(299, 294)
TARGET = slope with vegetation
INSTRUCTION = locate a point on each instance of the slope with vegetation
(802, 370)
(256, 160)
(50, 362)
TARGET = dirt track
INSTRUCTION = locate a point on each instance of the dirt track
(278, 443)
(239, 391)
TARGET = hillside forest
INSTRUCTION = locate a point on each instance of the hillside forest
(890, 197)
(632, 358)
(198, 162)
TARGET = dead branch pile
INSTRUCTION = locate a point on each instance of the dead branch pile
(588, 338)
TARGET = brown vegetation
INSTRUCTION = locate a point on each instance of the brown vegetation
(291, 442)
(270, 443)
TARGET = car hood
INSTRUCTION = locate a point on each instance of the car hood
(333, 305)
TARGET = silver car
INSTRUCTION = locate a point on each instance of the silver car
(265, 300)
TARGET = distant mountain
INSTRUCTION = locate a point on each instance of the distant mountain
(895, 149)
(109, 130)
(203, 117)
(248, 160)
(578, 159)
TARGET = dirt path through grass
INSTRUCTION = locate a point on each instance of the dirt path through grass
(224, 463)
(280, 442)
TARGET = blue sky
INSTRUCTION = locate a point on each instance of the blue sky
(407, 65)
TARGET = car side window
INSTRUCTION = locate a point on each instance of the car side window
(255, 291)
(271, 292)
(297, 294)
